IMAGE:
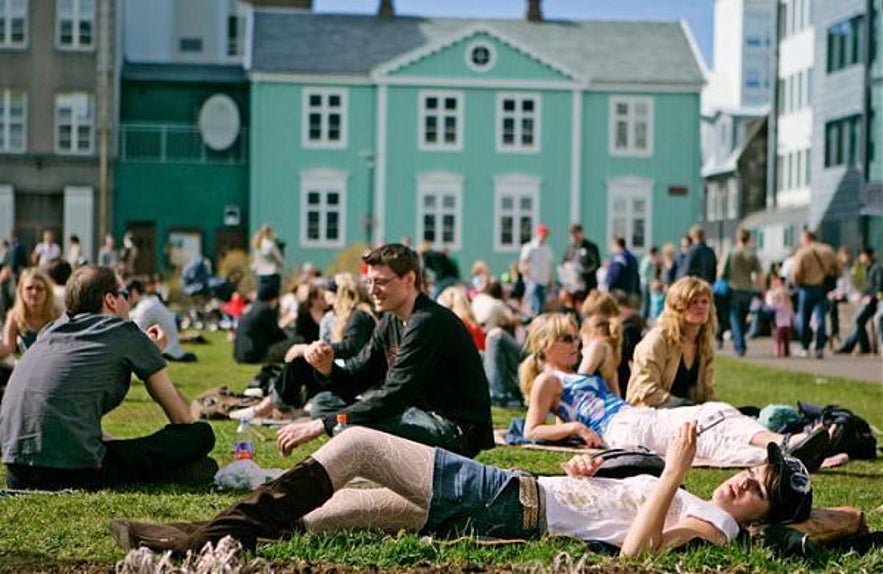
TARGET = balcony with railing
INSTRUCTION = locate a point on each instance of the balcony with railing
(176, 143)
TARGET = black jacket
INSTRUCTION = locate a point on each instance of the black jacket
(431, 363)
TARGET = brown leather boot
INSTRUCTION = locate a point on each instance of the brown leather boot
(270, 512)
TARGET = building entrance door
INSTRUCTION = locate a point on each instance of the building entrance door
(144, 237)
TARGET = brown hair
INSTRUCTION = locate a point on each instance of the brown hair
(399, 258)
(349, 296)
(678, 298)
(87, 287)
(25, 319)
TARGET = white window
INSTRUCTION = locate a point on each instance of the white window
(518, 123)
(631, 126)
(13, 23)
(732, 199)
(440, 121)
(74, 123)
(13, 121)
(323, 208)
(629, 205)
(324, 118)
(439, 209)
(516, 210)
(75, 24)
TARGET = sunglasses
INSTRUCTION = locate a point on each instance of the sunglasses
(124, 293)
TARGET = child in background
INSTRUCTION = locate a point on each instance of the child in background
(779, 299)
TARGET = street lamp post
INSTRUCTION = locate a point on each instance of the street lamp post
(368, 221)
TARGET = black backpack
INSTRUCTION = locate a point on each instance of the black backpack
(854, 436)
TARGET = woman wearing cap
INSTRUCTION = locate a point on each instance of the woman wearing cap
(434, 491)
(585, 407)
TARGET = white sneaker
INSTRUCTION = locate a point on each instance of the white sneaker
(803, 354)
(239, 414)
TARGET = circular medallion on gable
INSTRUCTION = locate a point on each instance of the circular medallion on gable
(481, 56)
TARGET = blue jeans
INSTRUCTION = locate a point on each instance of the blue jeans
(812, 301)
(740, 304)
(469, 497)
(536, 297)
(501, 357)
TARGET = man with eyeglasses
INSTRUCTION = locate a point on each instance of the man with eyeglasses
(78, 370)
(432, 388)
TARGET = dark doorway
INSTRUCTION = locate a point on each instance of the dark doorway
(144, 237)
(228, 239)
(36, 212)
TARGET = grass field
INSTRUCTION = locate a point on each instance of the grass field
(67, 532)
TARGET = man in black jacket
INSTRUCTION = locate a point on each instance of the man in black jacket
(433, 388)
(585, 258)
(701, 260)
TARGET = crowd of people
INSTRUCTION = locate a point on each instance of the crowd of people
(616, 353)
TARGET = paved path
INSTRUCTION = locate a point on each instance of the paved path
(868, 368)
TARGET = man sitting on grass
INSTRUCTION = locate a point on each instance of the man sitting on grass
(78, 370)
(433, 388)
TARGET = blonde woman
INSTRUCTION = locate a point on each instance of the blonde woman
(34, 308)
(585, 407)
(602, 344)
(674, 363)
(267, 259)
(455, 299)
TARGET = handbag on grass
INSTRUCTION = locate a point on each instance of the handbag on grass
(622, 463)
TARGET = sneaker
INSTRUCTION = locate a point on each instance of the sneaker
(239, 414)
(803, 353)
(820, 354)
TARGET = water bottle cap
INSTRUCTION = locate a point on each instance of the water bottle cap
(342, 417)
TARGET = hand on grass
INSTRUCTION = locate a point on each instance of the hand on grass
(291, 436)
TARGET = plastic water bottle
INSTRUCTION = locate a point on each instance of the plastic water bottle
(243, 448)
(343, 420)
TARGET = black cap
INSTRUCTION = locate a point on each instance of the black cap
(791, 492)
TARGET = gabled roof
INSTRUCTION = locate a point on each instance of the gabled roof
(599, 51)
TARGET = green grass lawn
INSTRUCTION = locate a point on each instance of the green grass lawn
(67, 532)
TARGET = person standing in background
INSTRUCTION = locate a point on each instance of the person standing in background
(536, 264)
(267, 259)
(745, 276)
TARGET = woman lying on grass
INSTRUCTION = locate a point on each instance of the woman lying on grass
(438, 492)
(585, 407)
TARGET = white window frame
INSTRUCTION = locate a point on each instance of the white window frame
(325, 110)
(13, 10)
(632, 188)
(515, 186)
(518, 116)
(732, 198)
(325, 182)
(630, 149)
(440, 184)
(75, 100)
(76, 16)
(423, 113)
(7, 121)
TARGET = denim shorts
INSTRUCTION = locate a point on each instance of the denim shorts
(471, 498)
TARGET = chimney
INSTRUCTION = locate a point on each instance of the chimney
(386, 9)
(534, 11)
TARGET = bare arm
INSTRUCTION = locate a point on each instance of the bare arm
(646, 532)
(10, 332)
(161, 390)
(543, 395)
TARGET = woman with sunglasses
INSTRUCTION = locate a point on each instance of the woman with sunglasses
(585, 407)
(34, 308)
(431, 490)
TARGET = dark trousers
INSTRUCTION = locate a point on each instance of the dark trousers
(783, 341)
(140, 460)
(859, 334)
(740, 304)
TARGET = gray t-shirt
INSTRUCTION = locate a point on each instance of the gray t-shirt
(79, 369)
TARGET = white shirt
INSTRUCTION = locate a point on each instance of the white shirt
(151, 311)
(267, 258)
(47, 252)
(489, 312)
(540, 262)
(605, 508)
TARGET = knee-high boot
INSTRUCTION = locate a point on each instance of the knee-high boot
(272, 511)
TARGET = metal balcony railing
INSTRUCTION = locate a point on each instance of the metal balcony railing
(175, 143)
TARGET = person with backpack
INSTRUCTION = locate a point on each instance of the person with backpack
(814, 270)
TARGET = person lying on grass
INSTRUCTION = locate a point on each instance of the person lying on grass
(585, 407)
(434, 491)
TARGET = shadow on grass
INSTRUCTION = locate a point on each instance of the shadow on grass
(21, 562)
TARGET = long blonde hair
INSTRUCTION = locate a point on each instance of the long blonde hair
(350, 295)
(544, 330)
(455, 299)
(24, 319)
(609, 329)
(677, 299)
(600, 303)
